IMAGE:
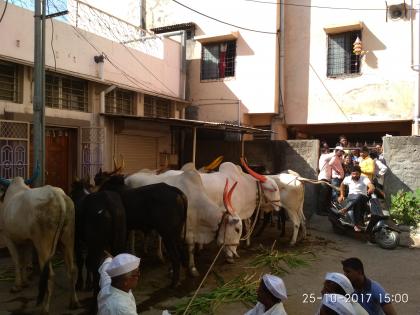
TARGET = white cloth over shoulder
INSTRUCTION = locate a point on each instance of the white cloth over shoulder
(259, 309)
(112, 301)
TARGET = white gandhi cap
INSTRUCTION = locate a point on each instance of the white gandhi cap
(339, 304)
(122, 264)
(341, 280)
(276, 286)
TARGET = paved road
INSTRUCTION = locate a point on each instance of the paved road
(396, 270)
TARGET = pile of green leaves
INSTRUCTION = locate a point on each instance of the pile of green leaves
(241, 289)
(244, 287)
(280, 262)
(405, 207)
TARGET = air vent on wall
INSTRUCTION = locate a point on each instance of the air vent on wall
(396, 10)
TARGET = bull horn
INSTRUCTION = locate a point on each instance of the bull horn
(214, 164)
(227, 195)
(34, 176)
(254, 174)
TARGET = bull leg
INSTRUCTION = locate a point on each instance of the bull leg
(266, 220)
(296, 224)
(247, 223)
(45, 265)
(13, 250)
(281, 223)
(132, 238)
(173, 254)
(303, 225)
(191, 262)
(159, 249)
(26, 261)
(67, 240)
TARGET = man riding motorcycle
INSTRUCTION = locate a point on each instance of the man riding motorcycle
(359, 186)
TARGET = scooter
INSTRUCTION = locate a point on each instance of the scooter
(379, 225)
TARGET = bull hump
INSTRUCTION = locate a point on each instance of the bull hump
(229, 168)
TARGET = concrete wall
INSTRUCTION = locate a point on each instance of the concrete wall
(402, 155)
(385, 89)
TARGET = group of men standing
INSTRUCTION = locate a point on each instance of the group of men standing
(352, 172)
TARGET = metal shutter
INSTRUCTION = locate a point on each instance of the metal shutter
(138, 152)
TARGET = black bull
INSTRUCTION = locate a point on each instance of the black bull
(158, 207)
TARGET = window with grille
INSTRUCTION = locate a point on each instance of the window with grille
(156, 107)
(8, 81)
(120, 102)
(218, 60)
(66, 92)
(341, 59)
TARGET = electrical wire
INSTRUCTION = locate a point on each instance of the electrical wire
(4, 11)
(223, 22)
(134, 56)
(319, 7)
(52, 37)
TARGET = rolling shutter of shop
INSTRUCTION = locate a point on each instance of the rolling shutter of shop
(138, 152)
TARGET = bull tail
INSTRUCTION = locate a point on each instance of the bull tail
(45, 273)
(185, 207)
(316, 182)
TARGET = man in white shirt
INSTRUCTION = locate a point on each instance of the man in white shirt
(324, 193)
(119, 275)
(338, 283)
(270, 295)
(359, 187)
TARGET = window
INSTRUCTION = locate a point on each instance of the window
(156, 107)
(119, 101)
(8, 81)
(341, 59)
(66, 92)
(218, 60)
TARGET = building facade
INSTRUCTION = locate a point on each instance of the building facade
(101, 99)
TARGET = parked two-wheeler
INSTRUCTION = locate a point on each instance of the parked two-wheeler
(378, 224)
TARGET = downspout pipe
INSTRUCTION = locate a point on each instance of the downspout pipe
(415, 67)
(183, 72)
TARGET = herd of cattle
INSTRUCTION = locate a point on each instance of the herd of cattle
(185, 207)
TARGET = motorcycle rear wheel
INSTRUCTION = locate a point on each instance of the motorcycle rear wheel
(387, 238)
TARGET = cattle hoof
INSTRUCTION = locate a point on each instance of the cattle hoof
(74, 305)
(292, 243)
(16, 289)
(230, 260)
(194, 272)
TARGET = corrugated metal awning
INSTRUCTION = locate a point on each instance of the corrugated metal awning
(193, 123)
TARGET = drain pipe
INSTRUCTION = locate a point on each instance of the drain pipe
(183, 72)
(415, 67)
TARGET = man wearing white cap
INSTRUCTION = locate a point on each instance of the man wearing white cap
(336, 304)
(119, 275)
(270, 295)
(338, 283)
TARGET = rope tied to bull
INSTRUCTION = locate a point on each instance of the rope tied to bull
(251, 230)
(204, 279)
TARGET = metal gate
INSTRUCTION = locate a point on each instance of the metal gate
(92, 142)
(14, 148)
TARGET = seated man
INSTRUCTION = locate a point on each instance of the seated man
(359, 187)
(270, 295)
(119, 275)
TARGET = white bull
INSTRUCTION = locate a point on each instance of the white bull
(206, 220)
(292, 195)
(247, 196)
(44, 217)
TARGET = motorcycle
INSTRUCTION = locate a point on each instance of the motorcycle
(379, 225)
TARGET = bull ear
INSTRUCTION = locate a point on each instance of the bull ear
(34, 175)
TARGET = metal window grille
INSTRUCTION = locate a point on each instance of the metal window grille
(156, 107)
(14, 148)
(218, 60)
(8, 81)
(66, 93)
(92, 142)
(341, 59)
(119, 101)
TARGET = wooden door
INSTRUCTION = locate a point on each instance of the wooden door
(57, 158)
